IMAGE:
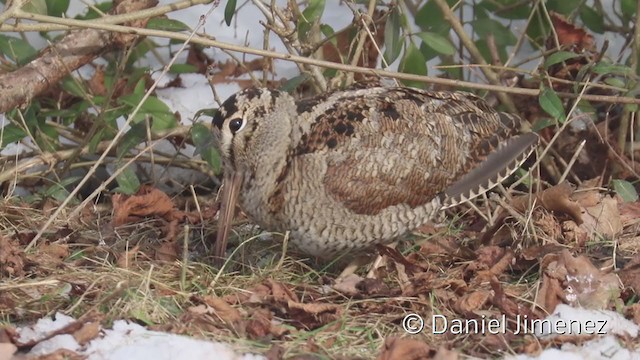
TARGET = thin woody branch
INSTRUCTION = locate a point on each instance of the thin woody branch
(326, 64)
(76, 49)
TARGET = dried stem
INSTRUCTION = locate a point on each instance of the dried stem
(326, 64)
(475, 53)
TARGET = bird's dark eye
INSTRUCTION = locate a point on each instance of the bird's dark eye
(236, 125)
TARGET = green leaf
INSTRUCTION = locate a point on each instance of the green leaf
(136, 135)
(558, 57)
(10, 134)
(329, 33)
(140, 50)
(437, 42)
(167, 25)
(183, 69)
(140, 89)
(36, 7)
(587, 108)
(430, 17)
(605, 67)
(58, 191)
(551, 103)
(483, 47)
(73, 87)
(161, 115)
(16, 49)
(502, 35)
(628, 8)
(229, 10)
(521, 11)
(592, 19)
(625, 189)
(413, 63)
(128, 182)
(313, 11)
(310, 15)
(538, 30)
(564, 7)
(57, 8)
(203, 141)
(95, 140)
(615, 82)
(292, 84)
(392, 41)
(543, 123)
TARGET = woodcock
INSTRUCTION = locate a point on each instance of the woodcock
(352, 169)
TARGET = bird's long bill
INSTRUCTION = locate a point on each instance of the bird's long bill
(230, 190)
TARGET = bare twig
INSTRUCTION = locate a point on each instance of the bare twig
(362, 35)
(627, 115)
(475, 53)
(114, 141)
(109, 19)
(327, 64)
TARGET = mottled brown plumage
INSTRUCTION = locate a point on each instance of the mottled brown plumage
(356, 168)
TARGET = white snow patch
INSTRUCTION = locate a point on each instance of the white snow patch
(127, 341)
(578, 320)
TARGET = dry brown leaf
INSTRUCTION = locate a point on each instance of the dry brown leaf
(574, 233)
(50, 255)
(198, 58)
(557, 199)
(12, 258)
(225, 312)
(538, 252)
(149, 201)
(127, 258)
(507, 305)
(55, 251)
(260, 325)
(551, 294)
(554, 199)
(405, 349)
(396, 256)
(254, 295)
(230, 69)
(96, 83)
(489, 255)
(603, 218)
(630, 274)
(281, 293)
(87, 332)
(168, 250)
(633, 312)
(339, 50)
(314, 308)
(374, 287)
(471, 302)
(348, 284)
(275, 352)
(570, 35)
(580, 281)
(629, 213)
(313, 315)
(258, 294)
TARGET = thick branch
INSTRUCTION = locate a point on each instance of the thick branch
(76, 49)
